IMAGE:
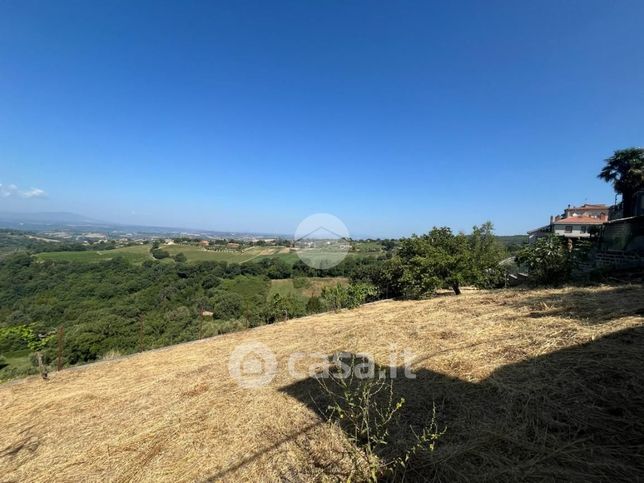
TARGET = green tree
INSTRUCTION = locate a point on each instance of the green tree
(282, 308)
(442, 259)
(625, 170)
(227, 305)
(486, 254)
(180, 258)
(159, 254)
(437, 259)
(549, 260)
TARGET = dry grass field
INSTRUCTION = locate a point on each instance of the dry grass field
(531, 385)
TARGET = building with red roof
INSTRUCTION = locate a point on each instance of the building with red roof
(576, 222)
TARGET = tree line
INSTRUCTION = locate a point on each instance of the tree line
(118, 306)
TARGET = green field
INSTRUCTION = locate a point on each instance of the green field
(134, 254)
(198, 254)
(16, 360)
(193, 253)
(140, 253)
(367, 247)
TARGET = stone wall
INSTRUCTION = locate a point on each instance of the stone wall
(618, 260)
(621, 244)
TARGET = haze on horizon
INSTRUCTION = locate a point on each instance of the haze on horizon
(249, 116)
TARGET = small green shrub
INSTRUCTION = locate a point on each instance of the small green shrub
(314, 305)
(368, 413)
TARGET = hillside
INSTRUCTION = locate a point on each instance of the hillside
(545, 384)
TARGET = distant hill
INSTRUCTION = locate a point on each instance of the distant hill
(66, 221)
(46, 218)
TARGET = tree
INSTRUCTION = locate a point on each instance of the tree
(283, 308)
(625, 170)
(442, 259)
(437, 259)
(549, 261)
(180, 258)
(486, 253)
(227, 305)
(159, 254)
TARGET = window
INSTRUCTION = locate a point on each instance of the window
(568, 229)
(584, 229)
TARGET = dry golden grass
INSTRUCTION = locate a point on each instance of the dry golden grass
(498, 365)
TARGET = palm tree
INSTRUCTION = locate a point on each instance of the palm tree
(625, 169)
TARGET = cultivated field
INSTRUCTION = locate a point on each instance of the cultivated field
(531, 385)
(193, 253)
(199, 254)
(134, 254)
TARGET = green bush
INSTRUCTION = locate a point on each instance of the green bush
(347, 296)
(314, 305)
(282, 308)
(159, 254)
(549, 260)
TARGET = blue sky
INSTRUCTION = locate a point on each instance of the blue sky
(252, 115)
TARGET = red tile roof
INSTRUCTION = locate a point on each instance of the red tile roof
(584, 220)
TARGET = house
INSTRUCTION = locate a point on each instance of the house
(593, 211)
(577, 226)
(204, 243)
(576, 222)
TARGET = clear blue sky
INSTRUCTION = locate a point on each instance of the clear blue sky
(251, 115)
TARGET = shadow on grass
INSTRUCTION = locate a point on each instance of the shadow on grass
(588, 305)
(575, 414)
